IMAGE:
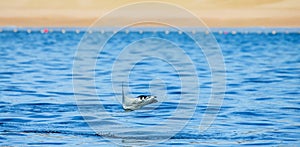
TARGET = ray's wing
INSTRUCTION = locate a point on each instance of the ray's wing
(134, 101)
(138, 101)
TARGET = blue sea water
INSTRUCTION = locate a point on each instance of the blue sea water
(260, 108)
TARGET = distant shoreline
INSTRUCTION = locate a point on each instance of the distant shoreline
(210, 22)
(214, 13)
(141, 29)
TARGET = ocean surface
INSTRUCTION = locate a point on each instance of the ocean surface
(47, 97)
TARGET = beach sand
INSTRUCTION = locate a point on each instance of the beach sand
(214, 13)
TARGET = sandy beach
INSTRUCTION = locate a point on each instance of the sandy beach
(82, 13)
